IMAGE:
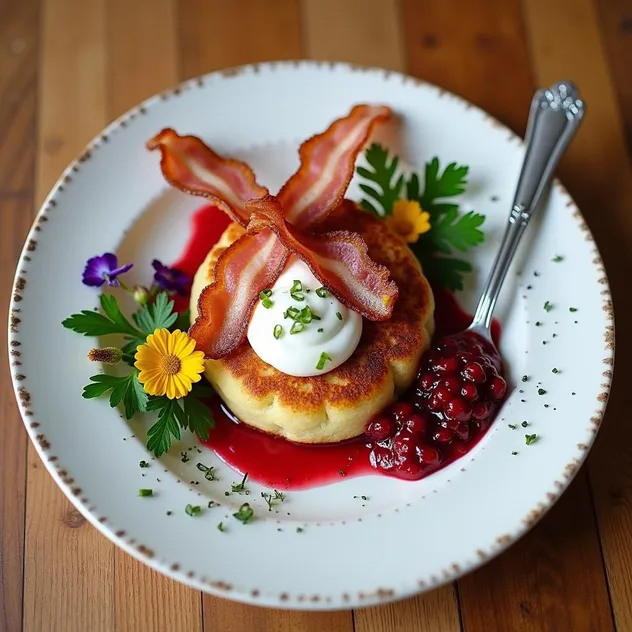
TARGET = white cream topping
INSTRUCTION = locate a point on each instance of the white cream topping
(300, 354)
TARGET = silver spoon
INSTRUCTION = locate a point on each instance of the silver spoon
(555, 116)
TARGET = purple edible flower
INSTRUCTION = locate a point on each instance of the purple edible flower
(103, 269)
(171, 279)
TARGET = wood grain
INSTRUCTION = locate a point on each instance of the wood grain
(616, 31)
(18, 87)
(497, 77)
(143, 60)
(598, 172)
(367, 30)
(215, 34)
(481, 55)
(69, 566)
(552, 579)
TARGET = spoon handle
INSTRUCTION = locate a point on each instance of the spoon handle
(555, 115)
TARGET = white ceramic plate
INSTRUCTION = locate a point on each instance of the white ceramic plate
(409, 537)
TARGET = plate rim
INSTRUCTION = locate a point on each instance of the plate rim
(217, 588)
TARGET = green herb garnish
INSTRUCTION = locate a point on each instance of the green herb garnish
(296, 291)
(524, 424)
(145, 492)
(143, 464)
(322, 292)
(511, 426)
(529, 439)
(296, 327)
(291, 312)
(320, 330)
(265, 294)
(273, 499)
(209, 472)
(322, 360)
(558, 258)
(240, 488)
(221, 527)
(126, 389)
(245, 513)
(572, 309)
(541, 391)
(547, 306)
(525, 378)
(554, 370)
(277, 331)
(193, 510)
(299, 529)
(306, 316)
(338, 315)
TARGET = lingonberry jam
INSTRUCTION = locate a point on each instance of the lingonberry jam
(452, 403)
(458, 390)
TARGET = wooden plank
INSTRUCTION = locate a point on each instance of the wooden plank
(69, 572)
(475, 49)
(215, 34)
(366, 32)
(616, 28)
(237, 39)
(551, 579)
(18, 87)
(497, 77)
(143, 60)
(370, 33)
(598, 172)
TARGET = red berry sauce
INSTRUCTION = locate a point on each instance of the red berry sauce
(452, 403)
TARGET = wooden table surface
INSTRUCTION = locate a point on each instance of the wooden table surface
(68, 67)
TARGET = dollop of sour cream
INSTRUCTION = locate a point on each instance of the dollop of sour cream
(306, 331)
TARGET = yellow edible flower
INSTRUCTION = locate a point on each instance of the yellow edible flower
(408, 220)
(168, 363)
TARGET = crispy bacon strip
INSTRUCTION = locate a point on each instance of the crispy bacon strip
(338, 259)
(250, 265)
(189, 165)
(327, 166)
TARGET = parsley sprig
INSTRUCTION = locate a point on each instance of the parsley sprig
(451, 231)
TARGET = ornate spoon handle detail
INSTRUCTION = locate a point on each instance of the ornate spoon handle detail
(555, 116)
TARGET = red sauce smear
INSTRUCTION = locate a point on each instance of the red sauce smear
(276, 462)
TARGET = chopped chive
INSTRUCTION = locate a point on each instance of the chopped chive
(297, 296)
(291, 312)
(572, 309)
(277, 331)
(514, 453)
(245, 513)
(320, 330)
(541, 391)
(299, 530)
(297, 286)
(240, 487)
(322, 292)
(221, 527)
(511, 426)
(265, 294)
(558, 258)
(525, 378)
(209, 473)
(554, 370)
(193, 510)
(267, 303)
(297, 327)
(321, 361)
(538, 323)
(339, 315)
(524, 424)
(547, 306)
(145, 492)
(529, 439)
(143, 464)
(212, 503)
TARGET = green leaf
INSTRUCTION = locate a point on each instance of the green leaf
(156, 315)
(453, 232)
(198, 415)
(160, 434)
(90, 323)
(412, 187)
(382, 189)
(450, 183)
(126, 389)
(443, 272)
(183, 321)
(110, 306)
